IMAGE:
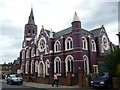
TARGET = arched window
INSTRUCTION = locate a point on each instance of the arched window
(27, 53)
(29, 31)
(93, 44)
(32, 52)
(69, 43)
(37, 52)
(86, 64)
(23, 54)
(33, 31)
(57, 46)
(46, 49)
(36, 66)
(32, 66)
(57, 65)
(27, 67)
(47, 67)
(69, 64)
(41, 69)
(84, 43)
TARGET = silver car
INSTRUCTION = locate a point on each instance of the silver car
(14, 79)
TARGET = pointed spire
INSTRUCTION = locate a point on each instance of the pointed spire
(75, 18)
(31, 17)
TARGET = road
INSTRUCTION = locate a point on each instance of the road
(5, 86)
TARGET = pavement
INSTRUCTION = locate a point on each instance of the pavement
(41, 85)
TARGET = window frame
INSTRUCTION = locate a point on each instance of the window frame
(69, 43)
(57, 60)
(57, 46)
(69, 58)
(93, 45)
(84, 43)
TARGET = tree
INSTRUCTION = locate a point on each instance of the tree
(112, 62)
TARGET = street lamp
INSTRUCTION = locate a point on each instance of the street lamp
(118, 38)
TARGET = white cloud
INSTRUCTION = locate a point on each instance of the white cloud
(55, 14)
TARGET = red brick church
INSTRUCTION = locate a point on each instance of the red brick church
(67, 52)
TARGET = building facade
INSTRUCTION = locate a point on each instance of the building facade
(72, 50)
(7, 68)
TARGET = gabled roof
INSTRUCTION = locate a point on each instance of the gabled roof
(96, 32)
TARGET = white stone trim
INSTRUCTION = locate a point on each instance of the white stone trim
(57, 46)
(55, 60)
(86, 64)
(95, 67)
(27, 39)
(32, 66)
(46, 49)
(47, 66)
(93, 45)
(41, 70)
(84, 43)
(36, 66)
(37, 50)
(107, 43)
(39, 47)
(32, 52)
(66, 64)
(27, 53)
(23, 54)
(68, 48)
(27, 67)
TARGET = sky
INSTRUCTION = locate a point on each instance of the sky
(53, 14)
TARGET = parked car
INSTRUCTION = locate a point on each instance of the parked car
(14, 79)
(103, 80)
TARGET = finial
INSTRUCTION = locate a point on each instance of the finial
(51, 30)
(31, 5)
(42, 26)
(75, 18)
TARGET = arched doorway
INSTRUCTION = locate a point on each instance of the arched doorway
(41, 69)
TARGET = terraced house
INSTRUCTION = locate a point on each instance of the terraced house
(66, 52)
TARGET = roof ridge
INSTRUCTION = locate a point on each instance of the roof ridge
(96, 29)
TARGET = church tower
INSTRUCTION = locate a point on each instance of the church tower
(30, 31)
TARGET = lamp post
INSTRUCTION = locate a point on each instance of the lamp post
(118, 39)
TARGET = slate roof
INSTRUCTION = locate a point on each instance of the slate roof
(62, 32)
(68, 30)
(31, 18)
(96, 32)
(16, 62)
(93, 33)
